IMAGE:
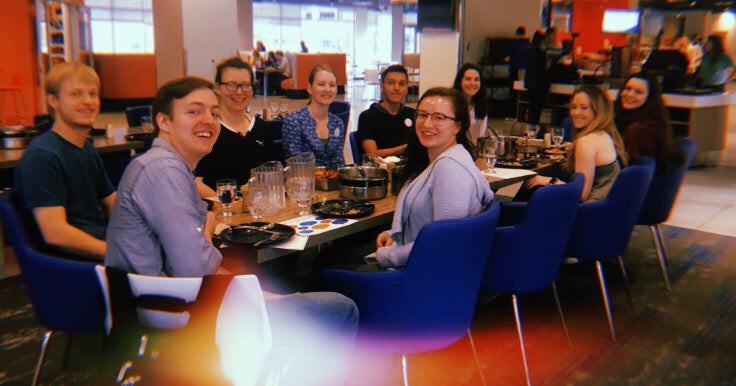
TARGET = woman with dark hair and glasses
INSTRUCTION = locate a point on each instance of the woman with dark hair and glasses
(244, 141)
(443, 181)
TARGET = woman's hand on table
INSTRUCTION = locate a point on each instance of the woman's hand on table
(384, 240)
(537, 181)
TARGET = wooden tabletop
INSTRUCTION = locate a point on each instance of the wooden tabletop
(382, 215)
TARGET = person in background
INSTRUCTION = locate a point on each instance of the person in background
(384, 128)
(597, 150)
(305, 50)
(692, 51)
(443, 181)
(641, 118)
(517, 50)
(61, 181)
(244, 141)
(536, 78)
(161, 227)
(313, 128)
(716, 68)
(469, 82)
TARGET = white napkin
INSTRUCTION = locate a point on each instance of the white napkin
(506, 173)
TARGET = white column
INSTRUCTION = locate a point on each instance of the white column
(439, 59)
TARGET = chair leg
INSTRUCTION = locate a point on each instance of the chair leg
(521, 337)
(477, 361)
(626, 280)
(39, 364)
(562, 316)
(604, 294)
(661, 253)
(404, 370)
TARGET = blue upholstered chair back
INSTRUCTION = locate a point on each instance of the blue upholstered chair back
(429, 303)
(342, 110)
(65, 294)
(355, 148)
(278, 139)
(134, 113)
(602, 228)
(526, 256)
(664, 188)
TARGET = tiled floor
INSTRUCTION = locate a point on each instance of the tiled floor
(707, 200)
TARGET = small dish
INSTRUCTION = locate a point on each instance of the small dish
(516, 163)
(252, 236)
(343, 208)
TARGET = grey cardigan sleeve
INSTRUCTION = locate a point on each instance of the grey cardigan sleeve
(452, 192)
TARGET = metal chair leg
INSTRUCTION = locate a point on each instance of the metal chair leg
(39, 364)
(604, 294)
(661, 253)
(626, 280)
(403, 368)
(477, 361)
(521, 337)
(562, 316)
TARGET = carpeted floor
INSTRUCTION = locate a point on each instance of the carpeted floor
(682, 337)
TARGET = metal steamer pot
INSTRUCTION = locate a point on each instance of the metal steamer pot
(13, 137)
(362, 182)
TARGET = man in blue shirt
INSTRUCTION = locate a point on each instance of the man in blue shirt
(60, 181)
(161, 227)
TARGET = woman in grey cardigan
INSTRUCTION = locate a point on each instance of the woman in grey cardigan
(444, 182)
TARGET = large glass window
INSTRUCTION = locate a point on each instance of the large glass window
(121, 26)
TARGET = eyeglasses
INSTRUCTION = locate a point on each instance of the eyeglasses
(436, 118)
(232, 87)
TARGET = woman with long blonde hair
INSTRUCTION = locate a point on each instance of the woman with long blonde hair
(597, 150)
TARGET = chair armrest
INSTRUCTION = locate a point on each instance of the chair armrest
(511, 213)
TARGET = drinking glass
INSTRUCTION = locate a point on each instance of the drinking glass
(558, 133)
(489, 149)
(300, 180)
(256, 197)
(275, 112)
(226, 194)
(531, 131)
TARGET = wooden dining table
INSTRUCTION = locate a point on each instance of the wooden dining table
(382, 216)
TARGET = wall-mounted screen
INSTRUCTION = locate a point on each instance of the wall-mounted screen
(621, 21)
(436, 14)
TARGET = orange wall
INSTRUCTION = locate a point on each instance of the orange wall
(126, 76)
(587, 19)
(18, 65)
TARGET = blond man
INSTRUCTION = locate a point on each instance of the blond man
(61, 181)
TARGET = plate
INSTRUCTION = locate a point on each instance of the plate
(251, 236)
(515, 163)
(343, 208)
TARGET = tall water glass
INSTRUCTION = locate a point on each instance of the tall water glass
(226, 194)
(558, 134)
(489, 149)
(300, 180)
(256, 197)
(531, 131)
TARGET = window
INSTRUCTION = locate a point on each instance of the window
(121, 26)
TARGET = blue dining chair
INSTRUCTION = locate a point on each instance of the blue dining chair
(65, 294)
(429, 303)
(355, 148)
(661, 197)
(133, 114)
(277, 136)
(602, 229)
(529, 244)
(342, 110)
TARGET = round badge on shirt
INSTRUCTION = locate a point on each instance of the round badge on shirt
(407, 122)
(336, 133)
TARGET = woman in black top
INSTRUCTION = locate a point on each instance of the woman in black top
(536, 79)
(244, 141)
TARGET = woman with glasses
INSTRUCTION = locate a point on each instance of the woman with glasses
(470, 82)
(313, 128)
(244, 141)
(443, 181)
